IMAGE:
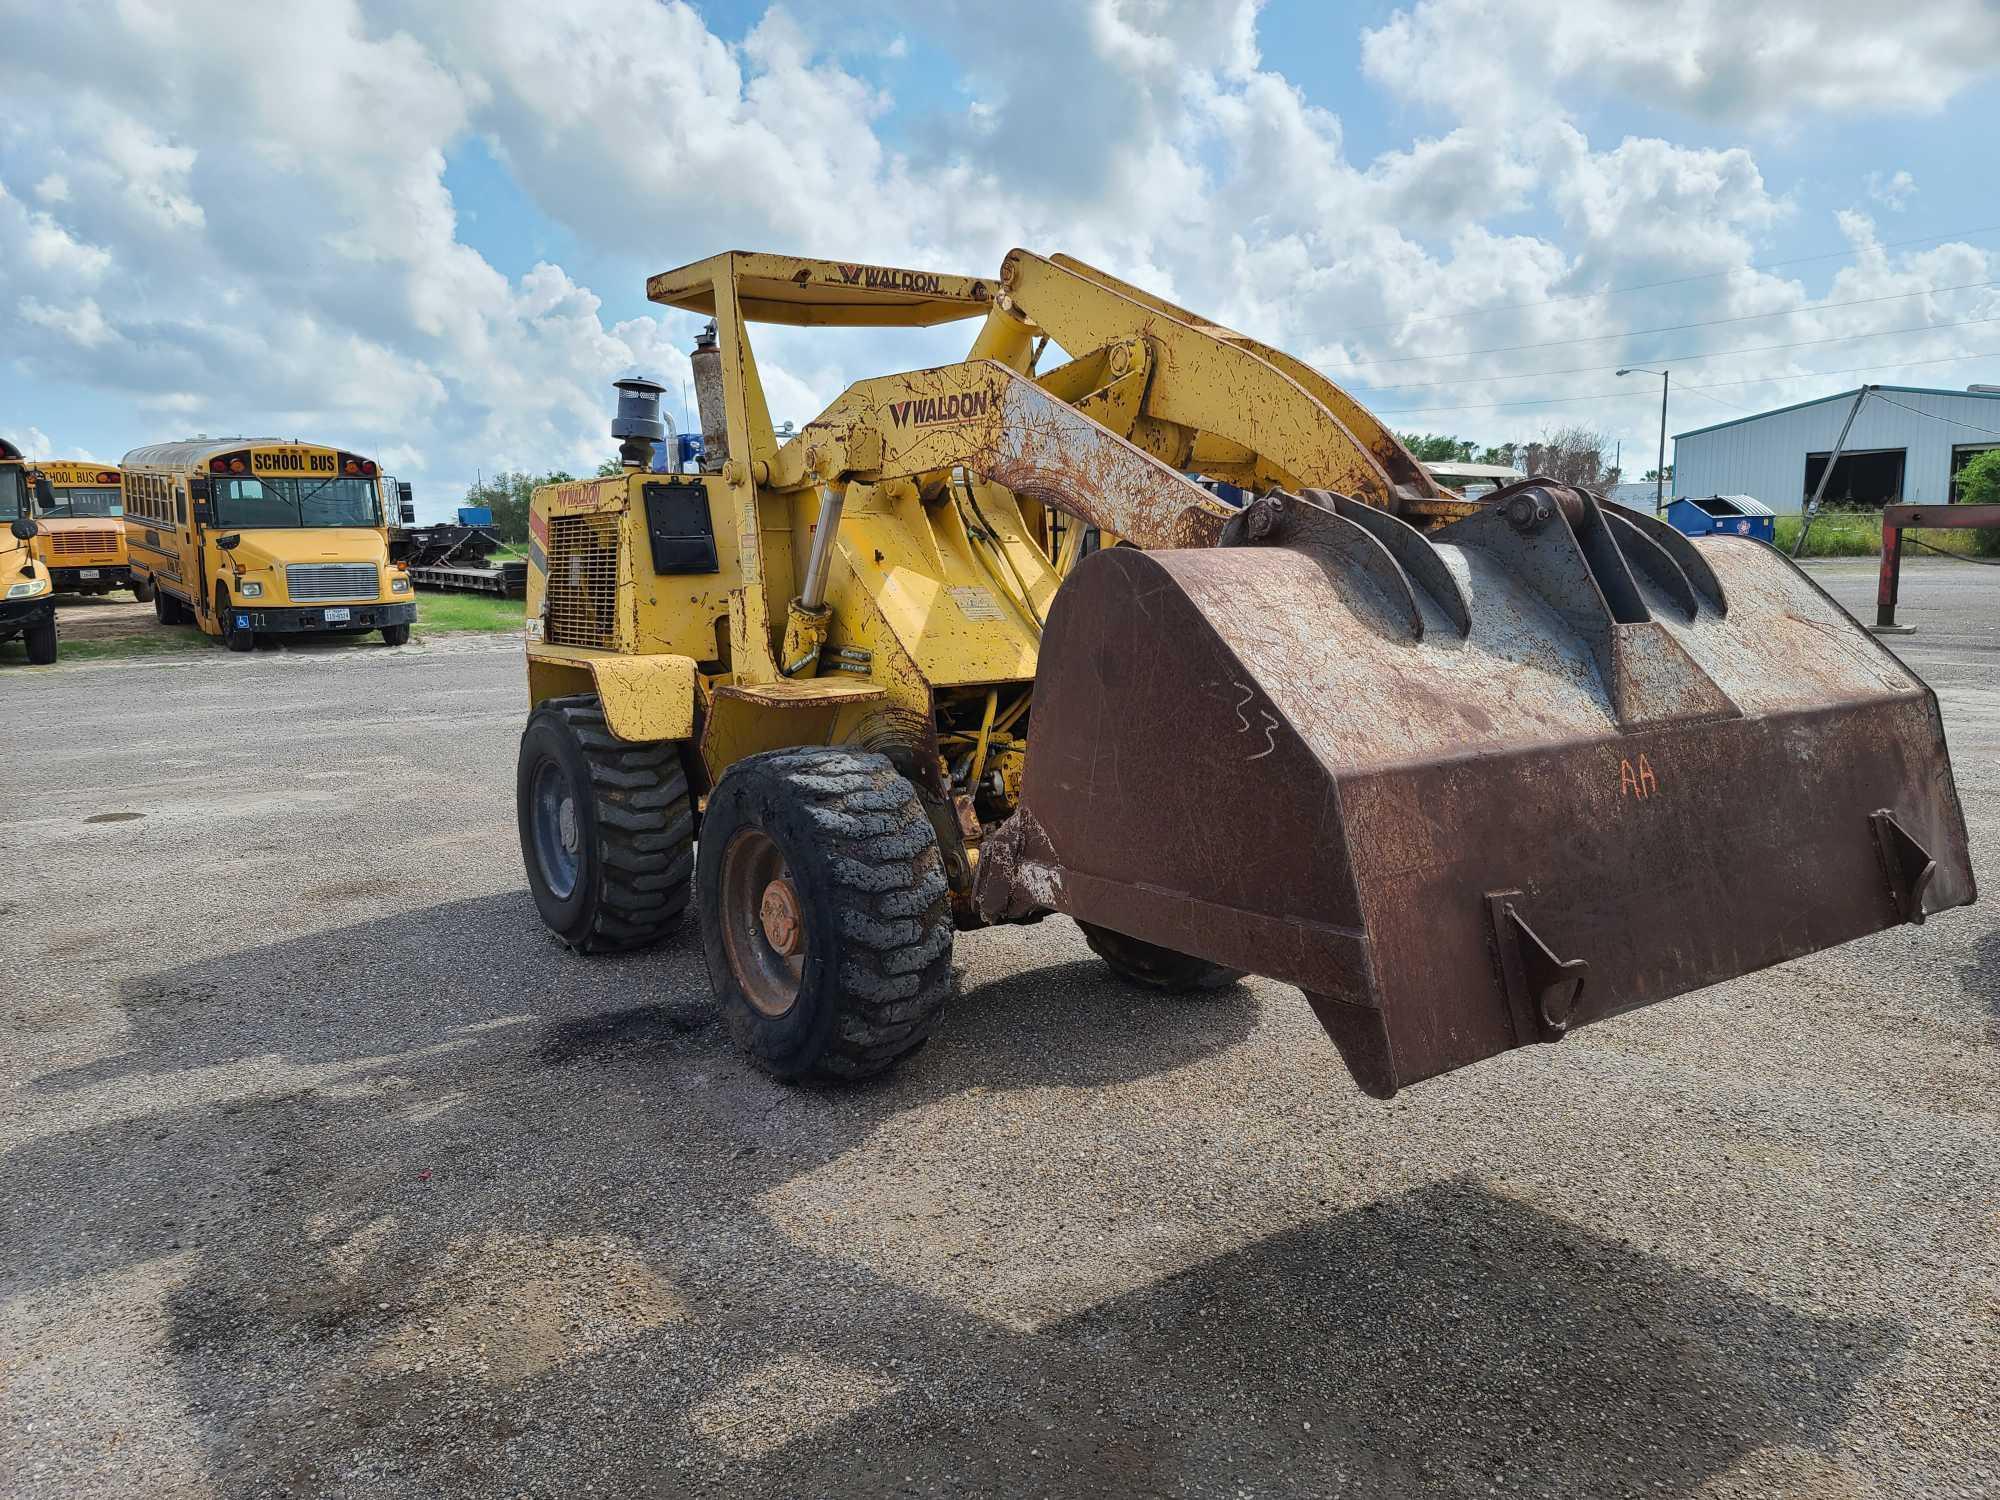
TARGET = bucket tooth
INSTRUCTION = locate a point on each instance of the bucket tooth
(1907, 863)
(1341, 546)
(1676, 544)
(1576, 569)
(1423, 563)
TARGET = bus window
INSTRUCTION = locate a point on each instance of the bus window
(181, 509)
(252, 503)
(74, 501)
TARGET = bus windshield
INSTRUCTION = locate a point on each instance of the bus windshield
(11, 491)
(78, 500)
(255, 503)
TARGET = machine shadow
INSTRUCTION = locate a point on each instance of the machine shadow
(342, 1064)
(411, 1142)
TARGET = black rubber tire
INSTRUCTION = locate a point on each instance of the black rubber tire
(234, 639)
(142, 591)
(1156, 967)
(864, 863)
(167, 609)
(40, 639)
(634, 828)
(395, 635)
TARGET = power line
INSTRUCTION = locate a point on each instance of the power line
(1936, 417)
(1681, 359)
(1900, 364)
(1647, 286)
(1633, 333)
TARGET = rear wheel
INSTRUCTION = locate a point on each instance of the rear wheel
(395, 635)
(607, 830)
(167, 609)
(41, 640)
(142, 590)
(825, 918)
(1149, 964)
(234, 637)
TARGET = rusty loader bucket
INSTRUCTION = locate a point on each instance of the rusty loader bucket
(1473, 789)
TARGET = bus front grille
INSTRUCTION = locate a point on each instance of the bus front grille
(583, 581)
(81, 543)
(331, 580)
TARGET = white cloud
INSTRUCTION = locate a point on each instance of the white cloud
(1893, 193)
(82, 324)
(278, 247)
(1710, 58)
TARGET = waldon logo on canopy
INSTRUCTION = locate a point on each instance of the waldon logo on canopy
(924, 411)
(889, 279)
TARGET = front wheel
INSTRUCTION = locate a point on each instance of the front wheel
(825, 918)
(1154, 966)
(607, 830)
(41, 641)
(395, 635)
(235, 637)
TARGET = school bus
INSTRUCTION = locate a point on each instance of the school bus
(250, 537)
(27, 598)
(82, 539)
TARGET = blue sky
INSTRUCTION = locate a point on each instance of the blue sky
(432, 244)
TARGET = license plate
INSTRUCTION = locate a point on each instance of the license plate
(86, 572)
(338, 616)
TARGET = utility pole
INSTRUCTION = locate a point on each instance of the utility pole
(1660, 470)
(1812, 505)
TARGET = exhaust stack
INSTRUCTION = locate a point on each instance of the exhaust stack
(638, 425)
(707, 363)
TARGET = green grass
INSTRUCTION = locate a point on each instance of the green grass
(441, 613)
(1859, 534)
(152, 640)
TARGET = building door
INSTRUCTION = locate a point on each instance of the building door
(1865, 480)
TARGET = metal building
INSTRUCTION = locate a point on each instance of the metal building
(1907, 444)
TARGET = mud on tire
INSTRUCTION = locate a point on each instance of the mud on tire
(1150, 964)
(848, 838)
(607, 828)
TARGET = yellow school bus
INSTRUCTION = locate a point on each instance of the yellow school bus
(82, 539)
(250, 537)
(27, 598)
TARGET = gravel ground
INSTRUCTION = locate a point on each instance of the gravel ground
(327, 1173)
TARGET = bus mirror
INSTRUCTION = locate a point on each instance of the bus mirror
(409, 514)
(45, 493)
(403, 491)
(229, 543)
(26, 530)
(201, 516)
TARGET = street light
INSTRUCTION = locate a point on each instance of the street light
(1660, 470)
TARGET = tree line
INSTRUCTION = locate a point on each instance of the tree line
(1572, 455)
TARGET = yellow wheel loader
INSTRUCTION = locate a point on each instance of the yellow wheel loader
(984, 642)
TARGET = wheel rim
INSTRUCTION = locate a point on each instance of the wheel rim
(558, 830)
(763, 923)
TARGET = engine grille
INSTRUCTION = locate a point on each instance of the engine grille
(583, 581)
(331, 580)
(81, 543)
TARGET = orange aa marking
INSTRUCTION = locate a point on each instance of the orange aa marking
(1639, 782)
